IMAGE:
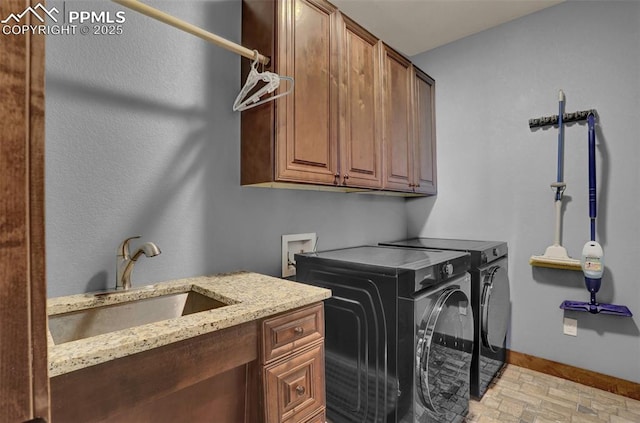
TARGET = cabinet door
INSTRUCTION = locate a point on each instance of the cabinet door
(398, 120)
(306, 130)
(360, 128)
(425, 142)
(294, 388)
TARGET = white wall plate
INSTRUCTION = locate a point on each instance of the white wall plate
(293, 244)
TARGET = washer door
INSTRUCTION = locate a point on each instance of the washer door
(496, 308)
(443, 354)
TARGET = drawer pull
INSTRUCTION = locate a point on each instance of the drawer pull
(298, 330)
(300, 390)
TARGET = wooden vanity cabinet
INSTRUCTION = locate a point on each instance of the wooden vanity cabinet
(292, 372)
(262, 371)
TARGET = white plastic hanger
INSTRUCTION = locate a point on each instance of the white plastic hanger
(272, 82)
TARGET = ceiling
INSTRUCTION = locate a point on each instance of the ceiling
(415, 26)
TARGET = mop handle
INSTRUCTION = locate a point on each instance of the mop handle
(592, 174)
(560, 143)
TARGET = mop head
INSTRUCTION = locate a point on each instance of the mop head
(556, 257)
(596, 308)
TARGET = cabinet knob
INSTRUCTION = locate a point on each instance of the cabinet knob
(336, 179)
(300, 390)
(298, 330)
(344, 179)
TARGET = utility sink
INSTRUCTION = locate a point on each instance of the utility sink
(101, 319)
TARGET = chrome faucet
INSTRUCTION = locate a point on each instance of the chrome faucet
(125, 260)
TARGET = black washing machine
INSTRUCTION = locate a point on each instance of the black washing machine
(490, 299)
(398, 333)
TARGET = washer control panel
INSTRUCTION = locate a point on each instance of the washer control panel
(442, 272)
(493, 253)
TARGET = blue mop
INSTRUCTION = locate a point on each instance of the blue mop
(592, 254)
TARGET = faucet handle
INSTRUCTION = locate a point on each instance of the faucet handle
(123, 249)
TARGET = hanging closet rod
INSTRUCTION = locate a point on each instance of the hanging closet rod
(192, 29)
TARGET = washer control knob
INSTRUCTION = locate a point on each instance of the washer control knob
(448, 269)
(496, 252)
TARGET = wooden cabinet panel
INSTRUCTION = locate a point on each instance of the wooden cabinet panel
(283, 334)
(425, 143)
(397, 120)
(360, 129)
(294, 388)
(24, 385)
(257, 133)
(111, 389)
(221, 398)
(15, 369)
(306, 147)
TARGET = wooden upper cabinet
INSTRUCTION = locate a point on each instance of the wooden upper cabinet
(360, 126)
(355, 119)
(306, 133)
(425, 178)
(398, 133)
(295, 138)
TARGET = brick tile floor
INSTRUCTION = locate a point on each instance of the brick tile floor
(526, 396)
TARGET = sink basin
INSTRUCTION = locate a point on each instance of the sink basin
(102, 319)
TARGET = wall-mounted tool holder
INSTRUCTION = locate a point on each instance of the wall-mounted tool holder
(580, 116)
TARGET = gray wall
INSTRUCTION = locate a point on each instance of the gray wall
(494, 173)
(141, 140)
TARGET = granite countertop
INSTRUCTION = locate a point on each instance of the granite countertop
(250, 296)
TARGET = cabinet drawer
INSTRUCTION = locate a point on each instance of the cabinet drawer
(318, 418)
(294, 389)
(283, 334)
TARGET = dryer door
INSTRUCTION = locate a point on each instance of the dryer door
(443, 353)
(495, 308)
